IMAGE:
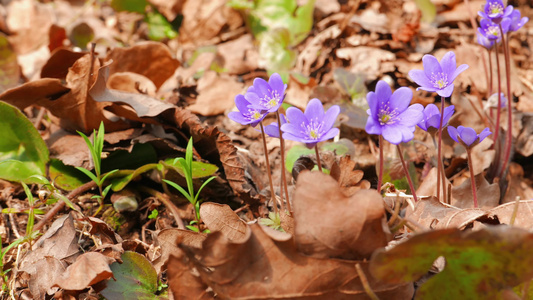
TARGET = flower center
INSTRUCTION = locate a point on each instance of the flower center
(254, 114)
(495, 8)
(313, 129)
(387, 116)
(440, 80)
(493, 30)
(271, 100)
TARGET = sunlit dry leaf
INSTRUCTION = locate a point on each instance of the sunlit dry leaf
(269, 266)
(29, 21)
(349, 227)
(347, 176)
(150, 59)
(59, 62)
(88, 269)
(183, 284)
(522, 219)
(70, 149)
(240, 55)
(43, 274)
(298, 92)
(488, 195)
(479, 264)
(218, 217)
(216, 94)
(366, 60)
(131, 83)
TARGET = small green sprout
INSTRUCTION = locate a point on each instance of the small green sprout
(273, 221)
(96, 148)
(186, 164)
(153, 214)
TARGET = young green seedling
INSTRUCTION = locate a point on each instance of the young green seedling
(186, 164)
(96, 147)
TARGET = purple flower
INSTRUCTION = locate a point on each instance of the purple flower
(491, 30)
(516, 21)
(312, 126)
(495, 10)
(272, 130)
(437, 77)
(493, 100)
(247, 114)
(390, 114)
(484, 41)
(432, 117)
(266, 96)
(467, 136)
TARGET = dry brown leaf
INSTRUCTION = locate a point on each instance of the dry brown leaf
(34, 91)
(9, 69)
(347, 176)
(365, 60)
(240, 55)
(428, 187)
(150, 59)
(267, 265)
(169, 239)
(59, 62)
(329, 224)
(43, 274)
(88, 269)
(216, 94)
(517, 185)
(70, 149)
(131, 83)
(298, 92)
(101, 230)
(523, 210)
(29, 21)
(524, 142)
(488, 195)
(220, 217)
(56, 37)
(168, 8)
(183, 284)
(315, 53)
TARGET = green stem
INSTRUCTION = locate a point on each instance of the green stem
(406, 170)
(272, 191)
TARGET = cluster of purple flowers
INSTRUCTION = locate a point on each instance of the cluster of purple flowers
(498, 18)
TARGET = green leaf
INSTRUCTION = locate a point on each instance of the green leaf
(338, 148)
(123, 177)
(89, 174)
(153, 214)
(9, 68)
(199, 169)
(158, 27)
(428, 9)
(81, 35)
(181, 190)
(137, 6)
(294, 153)
(479, 264)
(65, 177)
(136, 278)
(23, 152)
(275, 50)
(202, 187)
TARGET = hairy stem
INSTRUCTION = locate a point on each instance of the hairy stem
(319, 164)
(472, 178)
(406, 170)
(509, 140)
(380, 171)
(498, 109)
(439, 151)
(272, 191)
(283, 175)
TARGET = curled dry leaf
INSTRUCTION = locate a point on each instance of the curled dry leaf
(132, 83)
(523, 214)
(329, 224)
(88, 269)
(150, 59)
(348, 177)
(488, 195)
(220, 217)
(269, 266)
(169, 239)
(479, 264)
(183, 284)
(59, 62)
(43, 274)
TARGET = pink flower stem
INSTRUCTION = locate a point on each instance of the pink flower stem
(380, 171)
(406, 170)
(472, 178)
(272, 191)
(439, 154)
(283, 176)
(489, 83)
(499, 108)
(508, 142)
(318, 159)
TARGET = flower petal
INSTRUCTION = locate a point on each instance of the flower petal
(453, 133)
(446, 92)
(383, 93)
(252, 97)
(261, 87)
(372, 100)
(291, 128)
(272, 130)
(392, 135)
(448, 112)
(401, 98)
(295, 117)
(412, 115)
(431, 65)
(483, 134)
(420, 78)
(314, 110)
(448, 64)
(276, 83)
(429, 89)
(333, 132)
(459, 70)
(468, 135)
(372, 126)
(330, 117)
(239, 118)
(241, 103)
(407, 133)
(292, 137)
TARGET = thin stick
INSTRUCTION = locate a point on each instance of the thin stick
(509, 139)
(283, 175)
(319, 164)
(473, 180)
(411, 186)
(272, 192)
(380, 171)
(368, 289)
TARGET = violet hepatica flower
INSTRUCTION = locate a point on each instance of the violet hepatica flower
(437, 77)
(272, 130)
(495, 10)
(516, 21)
(484, 41)
(312, 126)
(467, 136)
(390, 115)
(491, 30)
(266, 96)
(247, 114)
(431, 119)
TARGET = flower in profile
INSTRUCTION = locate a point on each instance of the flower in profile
(491, 30)
(516, 21)
(312, 126)
(247, 114)
(484, 41)
(431, 119)
(266, 96)
(493, 100)
(272, 130)
(467, 136)
(437, 77)
(495, 11)
(390, 115)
